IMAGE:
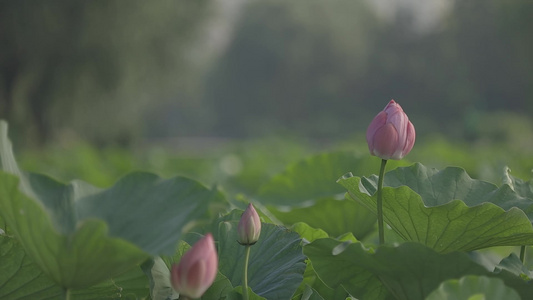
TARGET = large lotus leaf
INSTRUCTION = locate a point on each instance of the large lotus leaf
(307, 233)
(436, 219)
(306, 191)
(338, 267)
(315, 177)
(437, 187)
(276, 264)
(409, 271)
(81, 235)
(74, 261)
(131, 285)
(334, 216)
(318, 286)
(236, 294)
(219, 289)
(20, 278)
(469, 287)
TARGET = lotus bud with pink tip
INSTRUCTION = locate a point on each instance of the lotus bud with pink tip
(391, 135)
(196, 270)
(249, 227)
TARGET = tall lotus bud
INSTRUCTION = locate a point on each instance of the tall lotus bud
(197, 269)
(391, 135)
(249, 227)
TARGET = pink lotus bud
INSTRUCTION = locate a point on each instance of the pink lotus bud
(249, 227)
(197, 269)
(391, 135)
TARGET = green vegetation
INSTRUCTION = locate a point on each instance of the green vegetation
(71, 238)
(242, 165)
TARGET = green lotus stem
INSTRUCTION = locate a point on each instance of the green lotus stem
(68, 294)
(245, 274)
(522, 253)
(380, 202)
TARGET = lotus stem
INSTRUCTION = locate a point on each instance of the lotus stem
(380, 202)
(245, 274)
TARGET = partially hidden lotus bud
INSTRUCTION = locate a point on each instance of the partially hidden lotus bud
(391, 135)
(249, 227)
(197, 269)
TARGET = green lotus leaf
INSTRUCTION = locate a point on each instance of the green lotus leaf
(276, 264)
(132, 284)
(408, 271)
(236, 294)
(80, 235)
(311, 281)
(20, 278)
(470, 286)
(338, 264)
(336, 217)
(446, 210)
(437, 187)
(307, 232)
(306, 191)
(314, 178)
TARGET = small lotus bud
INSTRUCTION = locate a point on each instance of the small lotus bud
(197, 269)
(391, 135)
(249, 227)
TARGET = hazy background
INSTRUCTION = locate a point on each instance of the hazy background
(130, 72)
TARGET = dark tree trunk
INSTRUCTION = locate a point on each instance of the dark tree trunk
(9, 75)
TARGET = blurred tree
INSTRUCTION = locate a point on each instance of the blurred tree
(320, 68)
(325, 67)
(478, 60)
(487, 52)
(92, 67)
(292, 64)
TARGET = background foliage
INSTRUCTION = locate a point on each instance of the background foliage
(117, 71)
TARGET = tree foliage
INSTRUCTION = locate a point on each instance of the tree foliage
(112, 69)
(324, 67)
(91, 67)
